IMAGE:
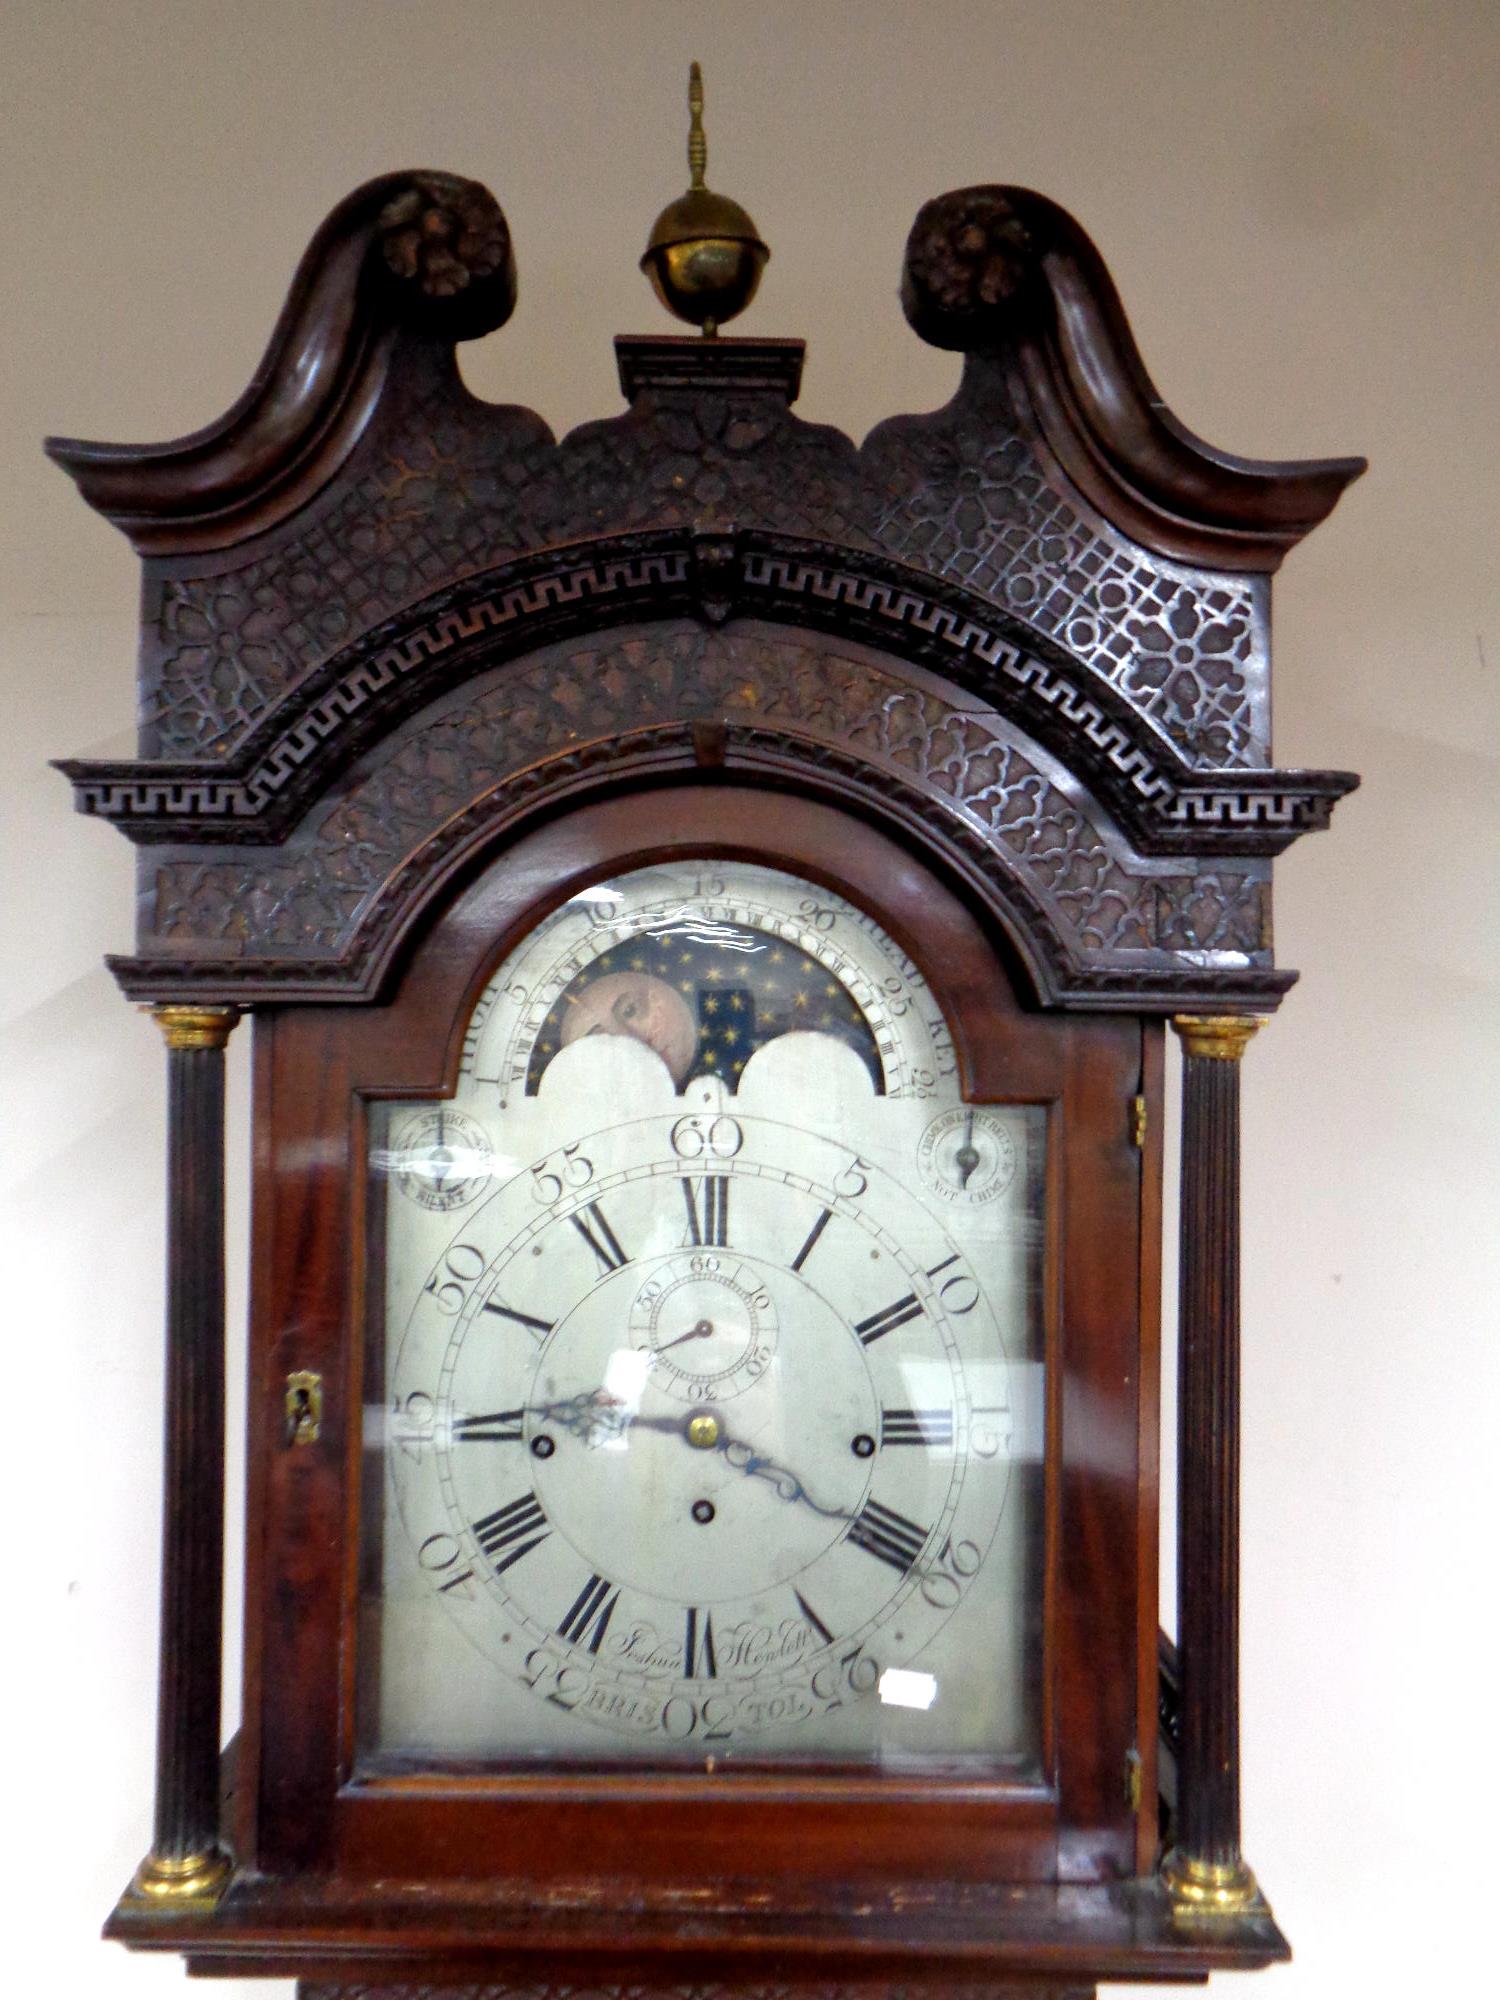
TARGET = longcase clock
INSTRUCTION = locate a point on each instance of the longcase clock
(709, 899)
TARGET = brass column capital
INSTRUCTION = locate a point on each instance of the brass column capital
(1220, 1037)
(194, 1027)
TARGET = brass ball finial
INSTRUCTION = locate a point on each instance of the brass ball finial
(704, 258)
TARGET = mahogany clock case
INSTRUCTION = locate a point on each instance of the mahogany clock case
(412, 673)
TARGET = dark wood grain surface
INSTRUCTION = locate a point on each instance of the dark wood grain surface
(1208, 1451)
(192, 1586)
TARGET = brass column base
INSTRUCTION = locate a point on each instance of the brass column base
(176, 1879)
(1209, 1888)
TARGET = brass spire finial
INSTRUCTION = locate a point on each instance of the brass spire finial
(697, 140)
(704, 258)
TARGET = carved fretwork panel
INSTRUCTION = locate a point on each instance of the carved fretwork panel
(972, 499)
(1094, 915)
(1164, 805)
(443, 487)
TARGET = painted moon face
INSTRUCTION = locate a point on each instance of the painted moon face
(642, 1006)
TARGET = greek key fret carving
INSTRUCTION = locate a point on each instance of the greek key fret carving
(572, 708)
(442, 489)
(1166, 811)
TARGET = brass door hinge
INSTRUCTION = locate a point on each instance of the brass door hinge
(1138, 1122)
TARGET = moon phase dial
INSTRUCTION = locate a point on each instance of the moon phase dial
(639, 1005)
(705, 967)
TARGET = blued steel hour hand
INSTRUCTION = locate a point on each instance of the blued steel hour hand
(597, 1417)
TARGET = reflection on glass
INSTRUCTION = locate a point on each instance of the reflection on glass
(710, 1349)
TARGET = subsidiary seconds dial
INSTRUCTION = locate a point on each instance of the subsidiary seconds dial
(706, 1321)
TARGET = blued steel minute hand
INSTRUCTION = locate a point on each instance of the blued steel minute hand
(595, 1416)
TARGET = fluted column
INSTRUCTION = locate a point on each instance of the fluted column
(1206, 1873)
(186, 1861)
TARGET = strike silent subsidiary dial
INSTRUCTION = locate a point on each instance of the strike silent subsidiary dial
(442, 1158)
(967, 1156)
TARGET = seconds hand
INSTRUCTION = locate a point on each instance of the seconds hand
(699, 1332)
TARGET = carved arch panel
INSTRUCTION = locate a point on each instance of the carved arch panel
(995, 660)
(326, 910)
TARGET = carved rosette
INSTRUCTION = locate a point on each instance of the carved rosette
(970, 259)
(444, 242)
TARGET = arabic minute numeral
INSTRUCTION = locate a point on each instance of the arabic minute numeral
(413, 1424)
(552, 1177)
(439, 1555)
(854, 1672)
(943, 1584)
(709, 1719)
(991, 1429)
(707, 1135)
(451, 1284)
(569, 1683)
(958, 1294)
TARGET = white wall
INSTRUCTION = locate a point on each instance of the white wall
(1297, 201)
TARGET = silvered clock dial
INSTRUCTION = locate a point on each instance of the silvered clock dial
(712, 1416)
